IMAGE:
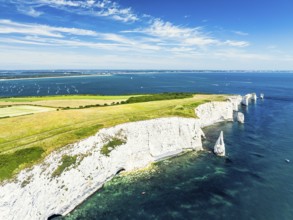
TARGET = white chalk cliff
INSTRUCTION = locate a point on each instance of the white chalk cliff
(145, 142)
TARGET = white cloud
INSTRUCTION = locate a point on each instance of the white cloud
(240, 33)
(168, 30)
(30, 11)
(236, 43)
(157, 40)
(99, 8)
(171, 34)
(62, 3)
(35, 58)
(200, 41)
(10, 27)
(90, 2)
(153, 42)
(43, 35)
(116, 38)
(242, 55)
(124, 15)
(21, 41)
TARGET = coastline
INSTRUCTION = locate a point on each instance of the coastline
(171, 133)
(56, 77)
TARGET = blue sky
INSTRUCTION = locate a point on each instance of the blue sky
(146, 34)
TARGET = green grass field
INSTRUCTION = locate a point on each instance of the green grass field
(47, 131)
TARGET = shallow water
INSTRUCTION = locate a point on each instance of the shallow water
(254, 182)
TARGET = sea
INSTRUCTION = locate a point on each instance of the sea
(254, 181)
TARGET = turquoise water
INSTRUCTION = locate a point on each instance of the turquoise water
(254, 182)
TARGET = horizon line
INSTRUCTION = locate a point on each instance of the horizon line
(190, 70)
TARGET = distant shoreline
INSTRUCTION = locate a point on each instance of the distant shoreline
(54, 77)
(139, 72)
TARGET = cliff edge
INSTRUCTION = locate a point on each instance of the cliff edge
(67, 177)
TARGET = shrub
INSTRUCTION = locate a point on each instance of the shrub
(158, 97)
(111, 145)
(66, 162)
(10, 162)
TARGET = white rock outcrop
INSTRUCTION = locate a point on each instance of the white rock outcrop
(247, 98)
(143, 143)
(235, 100)
(254, 96)
(261, 96)
(219, 148)
(240, 117)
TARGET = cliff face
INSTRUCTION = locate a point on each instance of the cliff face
(214, 112)
(140, 143)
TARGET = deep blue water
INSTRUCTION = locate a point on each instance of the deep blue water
(274, 85)
(254, 182)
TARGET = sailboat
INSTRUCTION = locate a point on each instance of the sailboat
(219, 148)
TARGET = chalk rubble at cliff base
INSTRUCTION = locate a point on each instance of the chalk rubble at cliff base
(145, 142)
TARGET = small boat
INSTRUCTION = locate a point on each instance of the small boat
(261, 96)
(287, 160)
(219, 148)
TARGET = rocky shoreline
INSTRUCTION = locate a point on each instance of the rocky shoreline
(37, 193)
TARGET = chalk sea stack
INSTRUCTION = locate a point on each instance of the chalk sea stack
(219, 148)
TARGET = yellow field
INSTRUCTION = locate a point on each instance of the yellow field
(64, 103)
(73, 101)
(22, 110)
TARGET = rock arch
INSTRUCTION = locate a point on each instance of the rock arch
(120, 170)
(54, 216)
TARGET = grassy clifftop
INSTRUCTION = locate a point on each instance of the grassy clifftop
(45, 132)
